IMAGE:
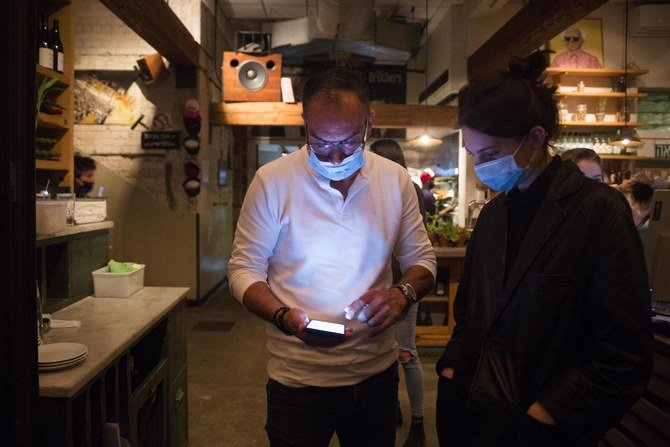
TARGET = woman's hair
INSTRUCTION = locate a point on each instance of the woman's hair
(581, 153)
(329, 84)
(642, 192)
(83, 164)
(511, 103)
(389, 149)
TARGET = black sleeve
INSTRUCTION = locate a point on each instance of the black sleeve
(613, 364)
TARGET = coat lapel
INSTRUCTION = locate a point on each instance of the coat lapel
(496, 250)
(545, 222)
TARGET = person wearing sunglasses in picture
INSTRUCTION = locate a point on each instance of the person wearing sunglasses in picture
(552, 338)
(314, 241)
(574, 56)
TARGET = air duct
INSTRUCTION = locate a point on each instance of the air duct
(342, 26)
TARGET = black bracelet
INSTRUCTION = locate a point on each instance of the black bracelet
(278, 318)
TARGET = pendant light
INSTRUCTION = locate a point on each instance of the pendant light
(628, 137)
(425, 139)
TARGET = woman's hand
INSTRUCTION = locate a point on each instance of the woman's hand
(448, 373)
(538, 412)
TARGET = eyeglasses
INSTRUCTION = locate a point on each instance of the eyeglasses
(346, 146)
(572, 38)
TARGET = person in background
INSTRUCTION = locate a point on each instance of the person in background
(314, 240)
(405, 329)
(552, 338)
(84, 175)
(587, 161)
(641, 192)
(428, 183)
(574, 56)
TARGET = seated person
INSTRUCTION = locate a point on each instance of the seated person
(84, 175)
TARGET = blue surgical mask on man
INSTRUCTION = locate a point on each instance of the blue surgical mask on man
(337, 172)
(501, 174)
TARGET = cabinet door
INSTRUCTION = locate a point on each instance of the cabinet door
(148, 410)
(79, 254)
(176, 341)
(178, 412)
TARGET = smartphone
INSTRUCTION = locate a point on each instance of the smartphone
(325, 328)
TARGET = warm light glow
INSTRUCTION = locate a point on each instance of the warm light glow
(625, 142)
(425, 140)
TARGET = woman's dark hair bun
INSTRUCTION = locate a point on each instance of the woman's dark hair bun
(530, 67)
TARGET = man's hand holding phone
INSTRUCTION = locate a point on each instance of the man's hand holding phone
(315, 332)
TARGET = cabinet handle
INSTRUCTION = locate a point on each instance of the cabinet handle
(179, 399)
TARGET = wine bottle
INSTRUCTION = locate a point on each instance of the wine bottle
(45, 54)
(57, 46)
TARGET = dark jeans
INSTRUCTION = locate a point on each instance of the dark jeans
(362, 415)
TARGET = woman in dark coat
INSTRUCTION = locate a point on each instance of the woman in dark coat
(552, 342)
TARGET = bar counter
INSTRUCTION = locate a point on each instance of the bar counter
(109, 327)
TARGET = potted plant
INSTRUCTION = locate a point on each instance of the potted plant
(600, 115)
(44, 90)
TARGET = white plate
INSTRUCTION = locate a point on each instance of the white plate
(60, 352)
(60, 366)
(63, 362)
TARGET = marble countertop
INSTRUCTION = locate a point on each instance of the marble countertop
(109, 327)
(77, 229)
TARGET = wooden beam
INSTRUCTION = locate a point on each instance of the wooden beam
(533, 26)
(282, 114)
(159, 26)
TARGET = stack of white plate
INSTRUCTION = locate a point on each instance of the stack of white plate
(60, 355)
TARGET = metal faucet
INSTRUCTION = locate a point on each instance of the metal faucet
(473, 205)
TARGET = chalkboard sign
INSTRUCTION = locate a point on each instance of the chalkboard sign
(164, 139)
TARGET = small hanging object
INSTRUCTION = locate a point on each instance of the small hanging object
(192, 116)
(192, 144)
(192, 183)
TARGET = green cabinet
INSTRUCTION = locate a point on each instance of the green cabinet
(65, 263)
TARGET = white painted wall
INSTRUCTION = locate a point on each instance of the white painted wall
(140, 177)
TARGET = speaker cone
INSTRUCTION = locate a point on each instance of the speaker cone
(253, 76)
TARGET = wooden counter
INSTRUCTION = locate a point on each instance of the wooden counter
(449, 260)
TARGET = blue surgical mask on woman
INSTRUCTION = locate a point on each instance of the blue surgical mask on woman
(501, 174)
(338, 172)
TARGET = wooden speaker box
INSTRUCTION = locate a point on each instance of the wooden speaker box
(249, 77)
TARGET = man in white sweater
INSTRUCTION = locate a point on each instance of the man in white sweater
(314, 241)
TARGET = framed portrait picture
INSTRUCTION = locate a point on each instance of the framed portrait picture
(579, 46)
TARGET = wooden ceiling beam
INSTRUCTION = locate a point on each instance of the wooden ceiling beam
(159, 26)
(539, 19)
(282, 114)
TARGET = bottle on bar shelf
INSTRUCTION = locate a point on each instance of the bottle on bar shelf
(45, 53)
(57, 46)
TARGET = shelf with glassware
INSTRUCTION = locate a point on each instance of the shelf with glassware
(54, 120)
(595, 97)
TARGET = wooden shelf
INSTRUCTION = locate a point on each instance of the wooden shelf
(600, 95)
(57, 122)
(42, 72)
(595, 72)
(621, 157)
(52, 165)
(283, 114)
(432, 335)
(599, 124)
(435, 299)
(51, 6)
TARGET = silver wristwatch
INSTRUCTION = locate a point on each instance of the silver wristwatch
(408, 291)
